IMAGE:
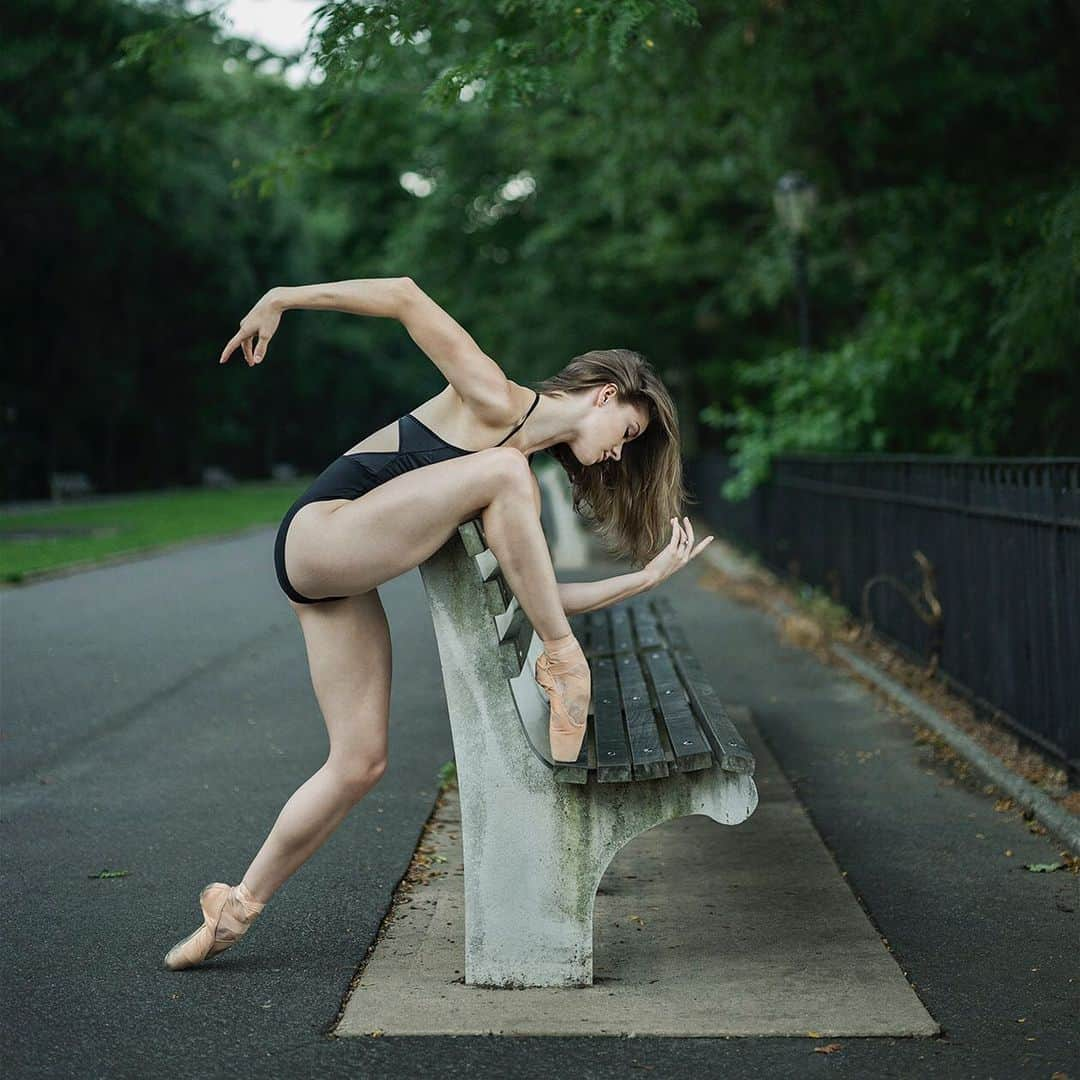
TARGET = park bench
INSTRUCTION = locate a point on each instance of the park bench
(537, 835)
(214, 476)
(64, 485)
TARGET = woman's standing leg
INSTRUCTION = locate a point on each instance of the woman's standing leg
(348, 649)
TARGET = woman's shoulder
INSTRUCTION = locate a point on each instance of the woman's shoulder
(501, 410)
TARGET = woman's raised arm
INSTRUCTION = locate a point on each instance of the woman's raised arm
(359, 296)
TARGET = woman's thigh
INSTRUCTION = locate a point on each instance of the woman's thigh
(349, 656)
(348, 548)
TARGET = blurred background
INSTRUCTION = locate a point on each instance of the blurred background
(560, 177)
(848, 229)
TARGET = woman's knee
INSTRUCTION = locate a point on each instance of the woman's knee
(357, 773)
(512, 471)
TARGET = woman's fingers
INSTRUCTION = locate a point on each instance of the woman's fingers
(260, 349)
(230, 348)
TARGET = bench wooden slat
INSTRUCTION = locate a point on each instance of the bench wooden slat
(648, 753)
(728, 745)
(622, 638)
(690, 745)
(612, 754)
(647, 750)
(599, 633)
(645, 624)
(690, 748)
(673, 632)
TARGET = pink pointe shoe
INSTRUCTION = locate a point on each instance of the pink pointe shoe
(228, 911)
(563, 671)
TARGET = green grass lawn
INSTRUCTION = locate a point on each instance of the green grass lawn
(137, 523)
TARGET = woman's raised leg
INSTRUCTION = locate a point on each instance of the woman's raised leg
(349, 548)
(354, 546)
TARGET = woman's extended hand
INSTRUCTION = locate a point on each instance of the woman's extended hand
(260, 322)
(677, 554)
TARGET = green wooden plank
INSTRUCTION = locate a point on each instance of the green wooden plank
(647, 752)
(599, 633)
(690, 748)
(728, 745)
(612, 753)
(622, 638)
(646, 627)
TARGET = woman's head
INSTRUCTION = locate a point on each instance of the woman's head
(624, 461)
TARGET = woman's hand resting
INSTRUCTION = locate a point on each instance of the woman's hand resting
(677, 554)
(260, 322)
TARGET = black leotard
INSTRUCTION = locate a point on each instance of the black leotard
(351, 475)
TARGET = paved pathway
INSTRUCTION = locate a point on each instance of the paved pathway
(158, 713)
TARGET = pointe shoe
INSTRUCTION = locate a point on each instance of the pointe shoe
(563, 671)
(228, 911)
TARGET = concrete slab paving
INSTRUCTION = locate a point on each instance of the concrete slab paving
(699, 930)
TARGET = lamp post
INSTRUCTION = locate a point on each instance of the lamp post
(794, 200)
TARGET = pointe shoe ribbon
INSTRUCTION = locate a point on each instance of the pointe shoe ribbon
(228, 911)
(563, 672)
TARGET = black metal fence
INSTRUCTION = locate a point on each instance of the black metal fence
(1001, 534)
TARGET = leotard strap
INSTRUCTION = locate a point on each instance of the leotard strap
(536, 401)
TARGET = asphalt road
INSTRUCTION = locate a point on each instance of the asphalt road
(157, 714)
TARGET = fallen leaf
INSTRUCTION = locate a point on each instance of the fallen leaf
(831, 1048)
(1042, 867)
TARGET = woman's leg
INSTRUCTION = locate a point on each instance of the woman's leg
(374, 538)
(348, 645)
(349, 548)
(348, 650)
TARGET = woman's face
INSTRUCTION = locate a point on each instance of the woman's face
(608, 425)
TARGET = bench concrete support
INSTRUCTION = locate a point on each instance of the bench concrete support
(536, 850)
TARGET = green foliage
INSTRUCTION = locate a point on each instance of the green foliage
(447, 775)
(560, 176)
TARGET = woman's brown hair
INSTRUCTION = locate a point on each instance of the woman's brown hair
(628, 503)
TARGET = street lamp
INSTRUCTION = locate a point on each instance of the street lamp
(794, 200)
